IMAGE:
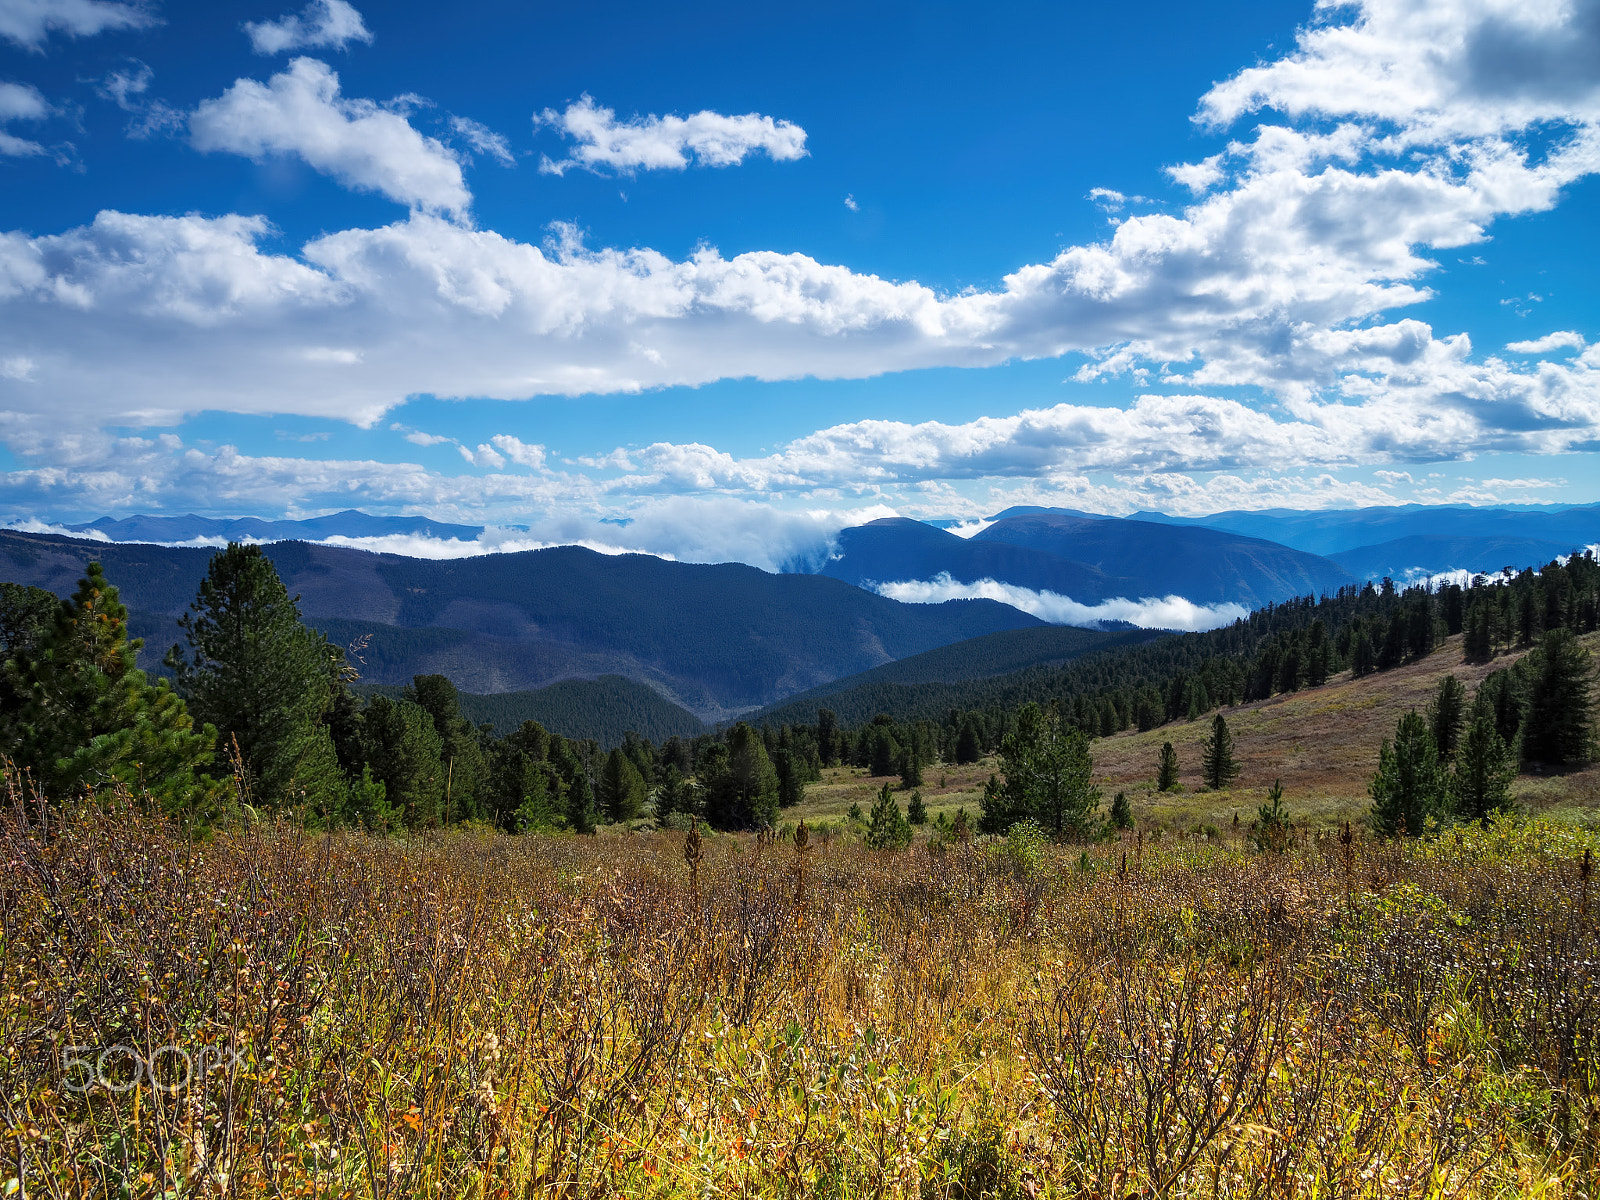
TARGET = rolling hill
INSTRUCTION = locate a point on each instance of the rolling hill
(716, 640)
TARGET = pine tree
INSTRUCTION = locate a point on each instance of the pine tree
(1409, 789)
(1217, 765)
(1121, 812)
(466, 768)
(827, 737)
(263, 679)
(888, 828)
(1167, 772)
(1446, 711)
(86, 717)
(1048, 777)
(917, 809)
(1484, 767)
(369, 802)
(581, 813)
(1560, 706)
(621, 789)
(969, 748)
(404, 750)
(1272, 829)
(910, 765)
(1477, 642)
(742, 789)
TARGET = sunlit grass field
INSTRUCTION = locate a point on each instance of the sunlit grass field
(276, 1013)
(1321, 742)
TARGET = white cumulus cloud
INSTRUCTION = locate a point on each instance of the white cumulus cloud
(20, 102)
(1563, 339)
(362, 145)
(322, 23)
(654, 143)
(27, 23)
(1166, 612)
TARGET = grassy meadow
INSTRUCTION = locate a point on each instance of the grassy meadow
(278, 1013)
(1322, 742)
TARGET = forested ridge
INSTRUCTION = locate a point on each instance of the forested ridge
(263, 710)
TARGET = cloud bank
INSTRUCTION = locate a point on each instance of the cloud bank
(1170, 612)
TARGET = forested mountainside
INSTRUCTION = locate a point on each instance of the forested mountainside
(606, 709)
(716, 640)
(1275, 649)
(1090, 559)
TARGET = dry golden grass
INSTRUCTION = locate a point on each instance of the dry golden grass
(489, 1016)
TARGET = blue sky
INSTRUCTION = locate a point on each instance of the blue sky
(742, 274)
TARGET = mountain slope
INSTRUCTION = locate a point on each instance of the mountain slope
(1090, 559)
(717, 640)
(1207, 566)
(993, 655)
(605, 709)
(893, 549)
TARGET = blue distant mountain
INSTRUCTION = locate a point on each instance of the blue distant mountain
(716, 640)
(350, 523)
(1436, 554)
(1335, 532)
(1090, 559)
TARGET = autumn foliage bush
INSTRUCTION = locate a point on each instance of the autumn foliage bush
(274, 1012)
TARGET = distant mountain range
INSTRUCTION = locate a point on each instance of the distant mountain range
(1341, 531)
(350, 523)
(715, 640)
(1090, 559)
(599, 644)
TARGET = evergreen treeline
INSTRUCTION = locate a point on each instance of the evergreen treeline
(606, 709)
(260, 712)
(1277, 649)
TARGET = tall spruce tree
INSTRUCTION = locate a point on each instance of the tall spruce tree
(1409, 789)
(1559, 727)
(581, 814)
(1167, 770)
(86, 717)
(622, 788)
(1446, 711)
(742, 788)
(264, 680)
(465, 766)
(1217, 765)
(1048, 777)
(969, 746)
(404, 751)
(1484, 767)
